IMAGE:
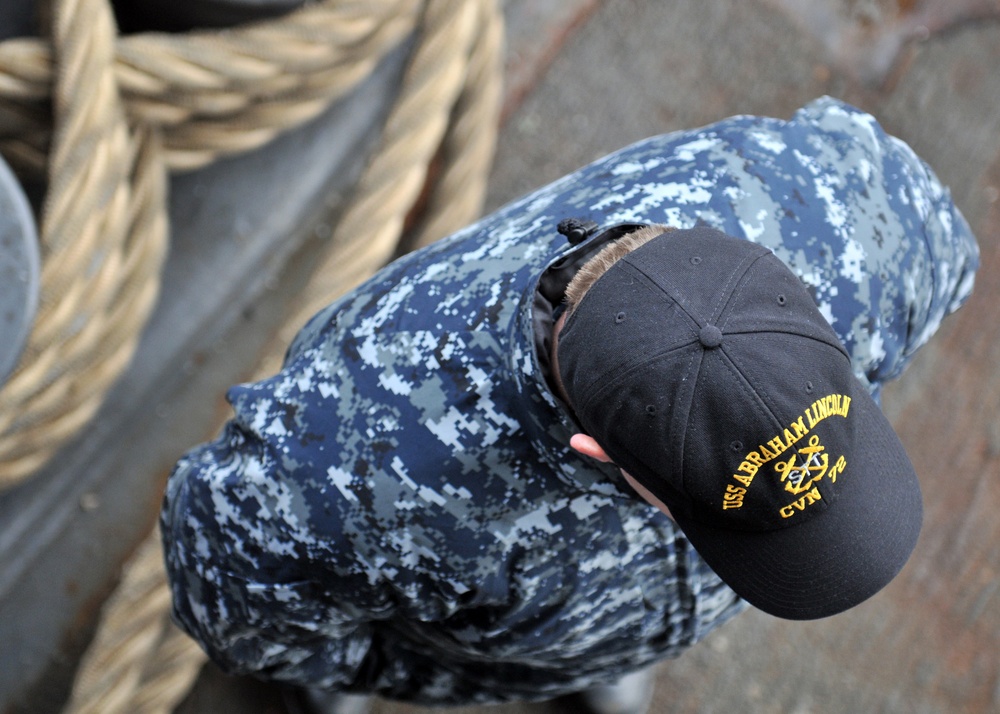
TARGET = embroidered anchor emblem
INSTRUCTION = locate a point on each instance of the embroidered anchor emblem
(800, 478)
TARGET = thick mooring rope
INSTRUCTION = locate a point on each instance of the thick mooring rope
(103, 228)
(211, 93)
(448, 107)
(178, 102)
(103, 238)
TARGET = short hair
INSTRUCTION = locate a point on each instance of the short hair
(610, 254)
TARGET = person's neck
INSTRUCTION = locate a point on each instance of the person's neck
(554, 358)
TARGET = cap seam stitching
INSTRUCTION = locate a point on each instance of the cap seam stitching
(609, 384)
(740, 288)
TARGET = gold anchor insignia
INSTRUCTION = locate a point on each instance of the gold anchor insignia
(798, 479)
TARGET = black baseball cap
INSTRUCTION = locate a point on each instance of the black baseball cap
(705, 370)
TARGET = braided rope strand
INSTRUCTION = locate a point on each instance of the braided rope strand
(103, 213)
(460, 189)
(182, 82)
(104, 224)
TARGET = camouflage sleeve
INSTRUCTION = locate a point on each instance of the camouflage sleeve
(254, 609)
(952, 251)
(908, 240)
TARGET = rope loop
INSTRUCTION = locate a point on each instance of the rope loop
(158, 103)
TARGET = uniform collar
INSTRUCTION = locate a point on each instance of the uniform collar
(548, 421)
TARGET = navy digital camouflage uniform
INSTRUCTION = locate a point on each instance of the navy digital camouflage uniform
(398, 510)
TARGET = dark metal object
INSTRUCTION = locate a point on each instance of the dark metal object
(18, 270)
(171, 16)
(576, 230)
(18, 18)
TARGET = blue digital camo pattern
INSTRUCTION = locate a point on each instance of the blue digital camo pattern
(398, 510)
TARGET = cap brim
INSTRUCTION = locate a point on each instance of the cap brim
(841, 556)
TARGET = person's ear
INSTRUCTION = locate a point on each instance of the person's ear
(588, 447)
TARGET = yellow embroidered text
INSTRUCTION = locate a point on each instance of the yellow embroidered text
(798, 480)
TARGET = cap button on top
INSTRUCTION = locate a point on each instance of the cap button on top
(710, 336)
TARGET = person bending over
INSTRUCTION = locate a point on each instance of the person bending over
(445, 494)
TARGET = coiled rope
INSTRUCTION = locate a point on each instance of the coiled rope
(160, 102)
(157, 102)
